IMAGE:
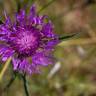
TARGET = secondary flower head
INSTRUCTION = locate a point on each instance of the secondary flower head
(29, 41)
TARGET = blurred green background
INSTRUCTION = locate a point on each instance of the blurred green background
(74, 73)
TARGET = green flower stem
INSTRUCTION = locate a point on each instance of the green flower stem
(25, 84)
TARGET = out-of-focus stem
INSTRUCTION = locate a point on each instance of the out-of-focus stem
(11, 81)
(4, 68)
(77, 42)
(46, 5)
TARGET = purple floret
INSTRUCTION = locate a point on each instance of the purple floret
(29, 41)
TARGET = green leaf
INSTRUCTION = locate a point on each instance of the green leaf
(68, 36)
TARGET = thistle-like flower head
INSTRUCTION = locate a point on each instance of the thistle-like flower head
(29, 41)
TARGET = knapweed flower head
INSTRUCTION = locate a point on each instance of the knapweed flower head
(29, 40)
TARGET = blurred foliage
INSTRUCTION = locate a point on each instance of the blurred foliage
(76, 75)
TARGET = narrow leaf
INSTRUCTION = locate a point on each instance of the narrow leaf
(67, 37)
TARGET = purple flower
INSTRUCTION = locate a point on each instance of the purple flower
(29, 41)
